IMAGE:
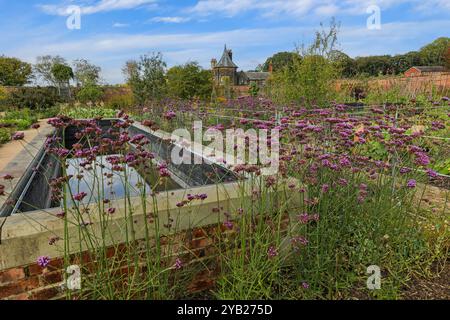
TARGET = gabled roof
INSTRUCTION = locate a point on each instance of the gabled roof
(257, 75)
(225, 61)
(430, 68)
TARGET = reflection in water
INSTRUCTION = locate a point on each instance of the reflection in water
(99, 179)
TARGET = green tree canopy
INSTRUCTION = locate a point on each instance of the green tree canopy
(62, 73)
(310, 79)
(447, 58)
(281, 60)
(90, 92)
(188, 81)
(14, 72)
(374, 65)
(86, 73)
(146, 77)
(43, 68)
(345, 65)
(433, 54)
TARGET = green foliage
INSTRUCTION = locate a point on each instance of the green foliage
(374, 65)
(43, 68)
(310, 79)
(33, 97)
(189, 81)
(62, 73)
(146, 77)
(281, 60)
(433, 54)
(90, 93)
(118, 98)
(345, 65)
(14, 72)
(5, 135)
(3, 96)
(253, 90)
(447, 58)
(19, 119)
(86, 73)
(87, 113)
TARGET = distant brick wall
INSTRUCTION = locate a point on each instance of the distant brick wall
(408, 85)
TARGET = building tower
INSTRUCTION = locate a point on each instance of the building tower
(225, 68)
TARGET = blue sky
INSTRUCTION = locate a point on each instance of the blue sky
(113, 31)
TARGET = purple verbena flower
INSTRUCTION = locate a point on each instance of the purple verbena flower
(80, 196)
(43, 261)
(178, 264)
(411, 183)
(18, 136)
(272, 252)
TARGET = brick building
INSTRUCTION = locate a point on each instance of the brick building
(424, 70)
(227, 68)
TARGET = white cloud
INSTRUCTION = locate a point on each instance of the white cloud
(120, 25)
(269, 7)
(98, 6)
(327, 10)
(231, 8)
(170, 19)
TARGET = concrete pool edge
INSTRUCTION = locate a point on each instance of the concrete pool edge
(26, 236)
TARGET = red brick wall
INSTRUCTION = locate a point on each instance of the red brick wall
(409, 85)
(32, 282)
(412, 72)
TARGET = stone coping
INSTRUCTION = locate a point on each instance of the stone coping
(26, 236)
(20, 158)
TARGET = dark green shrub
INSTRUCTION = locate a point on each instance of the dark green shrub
(49, 112)
(20, 119)
(34, 98)
(90, 93)
(5, 135)
(19, 124)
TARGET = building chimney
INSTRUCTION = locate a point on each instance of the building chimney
(270, 67)
(213, 63)
(230, 53)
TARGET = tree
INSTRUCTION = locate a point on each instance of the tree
(281, 60)
(14, 72)
(344, 64)
(89, 93)
(43, 68)
(447, 58)
(146, 77)
(433, 54)
(310, 79)
(86, 73)
(3, 95)
(402, 62)
(374, 65)
(189, 81)
(62, 74)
